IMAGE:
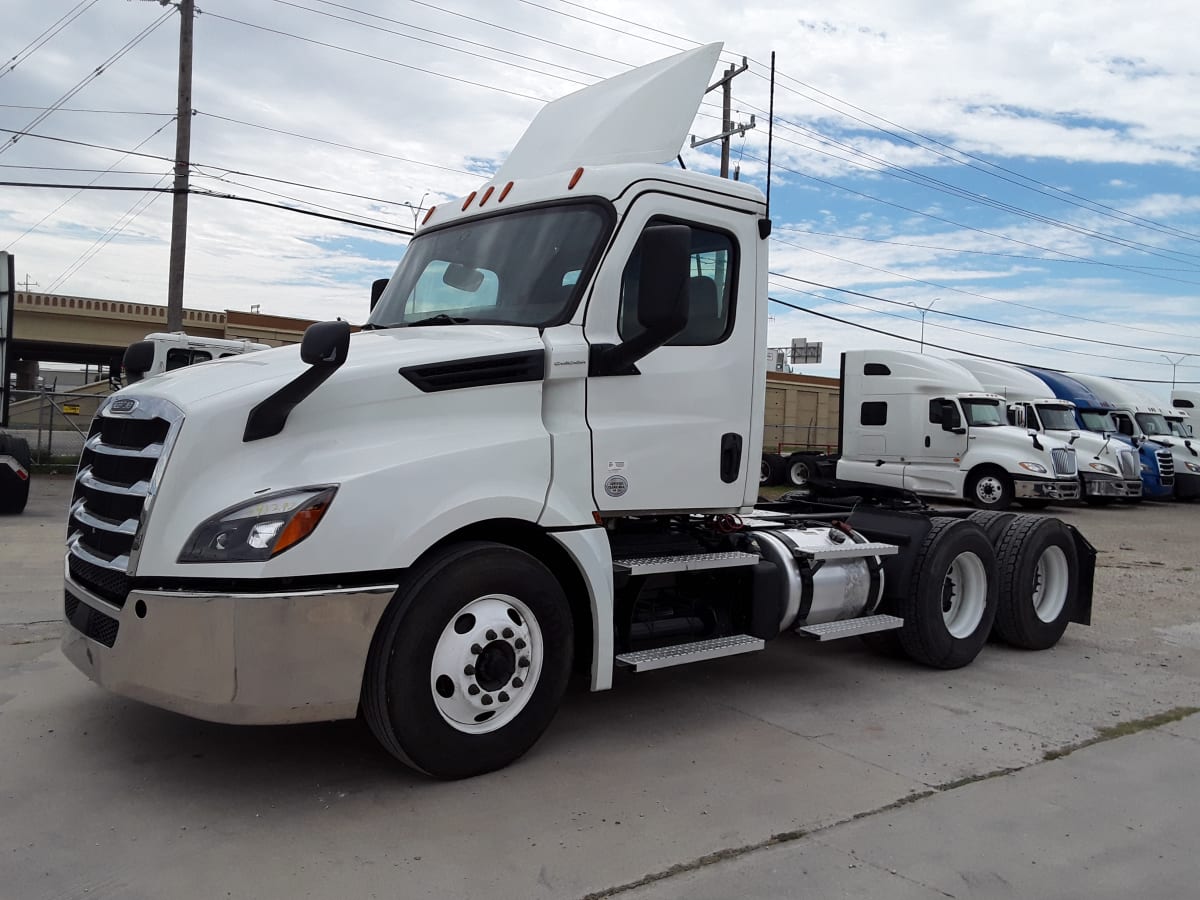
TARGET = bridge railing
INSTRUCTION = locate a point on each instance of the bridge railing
(54, 422)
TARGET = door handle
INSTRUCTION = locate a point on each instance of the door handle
(926, 440)
(731, 456)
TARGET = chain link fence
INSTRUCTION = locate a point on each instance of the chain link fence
(55, 423)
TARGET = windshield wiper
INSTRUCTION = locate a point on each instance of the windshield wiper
(439, 319)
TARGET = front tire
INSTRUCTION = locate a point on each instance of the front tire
(470, 661)
(1039, 582)
(990, 489)
(950, 604)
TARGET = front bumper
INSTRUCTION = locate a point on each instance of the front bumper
(1045, 489)
(263, 659)
(1101, 486)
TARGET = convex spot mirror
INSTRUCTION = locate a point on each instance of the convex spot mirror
(326, 344)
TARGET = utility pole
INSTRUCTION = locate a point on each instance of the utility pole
(183, 145)
(728, 128)
(27, 284)
(923, 310)
(1174, 363)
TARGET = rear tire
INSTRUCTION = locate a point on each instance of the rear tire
(470, 660)
(772, 471)
(14, 491)
(950, 603)
(799, 471)
(1039, 582)
(992, 522)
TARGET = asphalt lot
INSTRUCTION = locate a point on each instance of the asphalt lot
(805, 770)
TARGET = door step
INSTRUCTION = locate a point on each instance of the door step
(832, 631)
(689, 562)
(849, 550)
(696, 651)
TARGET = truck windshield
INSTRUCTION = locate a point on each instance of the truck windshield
(1179, 428)
(983, 413)
(1057, 418)
(1152, 423)
(1094, 420)
(523, 268)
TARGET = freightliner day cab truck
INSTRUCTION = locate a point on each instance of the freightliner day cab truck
(15, 458)
(431, 522)
(928, 426)
(1108, 468)
(1102, 416)
(1150, 417)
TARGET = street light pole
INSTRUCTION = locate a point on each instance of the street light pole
(923, 310)
(1174, 363)
(416, 210)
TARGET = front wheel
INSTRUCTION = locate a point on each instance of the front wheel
(990, 489)
(470, 661)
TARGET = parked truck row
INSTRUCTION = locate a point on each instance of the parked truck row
(272, 537)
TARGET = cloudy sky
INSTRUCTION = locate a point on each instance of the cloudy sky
(1029, 169)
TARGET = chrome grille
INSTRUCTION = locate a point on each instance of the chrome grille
(118, 474)
(1064, 461)
(1129, 464)
(1166, 466)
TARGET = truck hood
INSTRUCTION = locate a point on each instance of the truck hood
(371, 352)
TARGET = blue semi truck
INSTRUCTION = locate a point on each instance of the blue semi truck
(1094, 413)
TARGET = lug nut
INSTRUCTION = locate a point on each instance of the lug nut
(469, 670)
(486, 700)
(473, 690)
(491, 635)
(517, 682)
(507, 632)
(523, 662)
(520, 644)
(476, 649)
(503, 697)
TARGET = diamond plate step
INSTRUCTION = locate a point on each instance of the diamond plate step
(690, 562)
(850, 550)
(832, 631)
(696, 651)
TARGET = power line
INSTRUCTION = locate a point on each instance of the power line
(42, 39)
(88, 79)
(76, 109)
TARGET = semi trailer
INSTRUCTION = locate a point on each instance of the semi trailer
(1097, 414)
(431, 523)
(1108, 468)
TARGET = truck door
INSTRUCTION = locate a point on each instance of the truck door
(945, 434)
(674, 435)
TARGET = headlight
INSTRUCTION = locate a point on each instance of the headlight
(1192, 467)
(1033, 467)
(259, 529)
(1101, 467)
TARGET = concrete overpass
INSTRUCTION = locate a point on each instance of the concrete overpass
(91, 331)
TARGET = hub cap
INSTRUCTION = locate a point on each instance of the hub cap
(486, 664)
(964, 595)
(1051, 581)
(989, 489)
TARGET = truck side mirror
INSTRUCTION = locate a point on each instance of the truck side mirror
(139, 357)
(1016, 415)
(662, 309)
(325, 344)
(377, 288)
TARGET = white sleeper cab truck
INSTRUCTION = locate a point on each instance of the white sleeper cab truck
(166, 351)
(551, 338)
(1108, 468)
(1152, 419)
(15, 458)
(1187, 404)
(927, 425)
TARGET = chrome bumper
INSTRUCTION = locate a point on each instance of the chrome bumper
(1046, 490)
(1113, 487)
(238, 658)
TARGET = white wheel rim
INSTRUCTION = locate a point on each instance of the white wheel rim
(764, 472)
(989, 489)
(799, 473)
(1051, 581)
(964, 595)
(486, 664)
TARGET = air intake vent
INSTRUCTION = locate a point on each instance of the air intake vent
(506, 368)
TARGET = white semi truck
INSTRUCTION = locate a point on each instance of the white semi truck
(166, 351)
(15, 458)
(1108, 468)
(1187, 403)
(927, 425)
(431, 522)
(1151, 417)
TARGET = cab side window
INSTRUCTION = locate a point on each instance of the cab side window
(710, 287)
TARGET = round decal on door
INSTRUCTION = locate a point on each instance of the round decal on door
(616, 486)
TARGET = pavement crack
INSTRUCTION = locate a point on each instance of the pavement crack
(1123, 729)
